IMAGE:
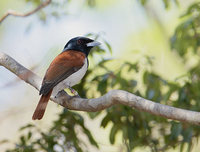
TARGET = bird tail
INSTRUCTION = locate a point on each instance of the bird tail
(41, 107)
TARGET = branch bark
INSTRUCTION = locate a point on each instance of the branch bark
(111, 98)
(18, 14)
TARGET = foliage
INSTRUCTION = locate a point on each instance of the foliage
(167, 3)
(64, 134)
(187, 34)
(139, 129)
(63, 5)
(57, 8)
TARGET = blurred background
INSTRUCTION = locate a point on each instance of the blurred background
(149, 48)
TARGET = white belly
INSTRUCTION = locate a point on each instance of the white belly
(72, 79)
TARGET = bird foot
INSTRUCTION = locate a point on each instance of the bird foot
(74, 92)
(60, 93)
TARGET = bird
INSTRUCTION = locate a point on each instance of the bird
(65, 71)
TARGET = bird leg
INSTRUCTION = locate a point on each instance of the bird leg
(60, 93)
(74, 92)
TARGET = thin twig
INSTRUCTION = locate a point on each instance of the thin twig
(18, 14)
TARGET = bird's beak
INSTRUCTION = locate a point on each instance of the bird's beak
(93, 43)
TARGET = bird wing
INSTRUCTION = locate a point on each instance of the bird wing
(60, 68)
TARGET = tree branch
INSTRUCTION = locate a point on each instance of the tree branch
(18, 14)
(111, 98)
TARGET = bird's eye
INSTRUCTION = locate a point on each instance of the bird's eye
(79, 42)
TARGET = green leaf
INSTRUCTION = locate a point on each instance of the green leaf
(29, 135)
(4, 141)
(108, 46)
(176, 130)
(113, 133)
(90, 137)
(27, 127)
(23, 140)
(105, 121)
(143, 2)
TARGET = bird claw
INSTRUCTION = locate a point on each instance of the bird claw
(62, 92)
(74, 92)
(59, 93)
(76, 96)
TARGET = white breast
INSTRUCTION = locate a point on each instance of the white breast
(72, 79)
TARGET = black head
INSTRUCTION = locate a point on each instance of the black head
(81, 44)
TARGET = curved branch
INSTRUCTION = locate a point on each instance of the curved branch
(111, 98)
(14, 13)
